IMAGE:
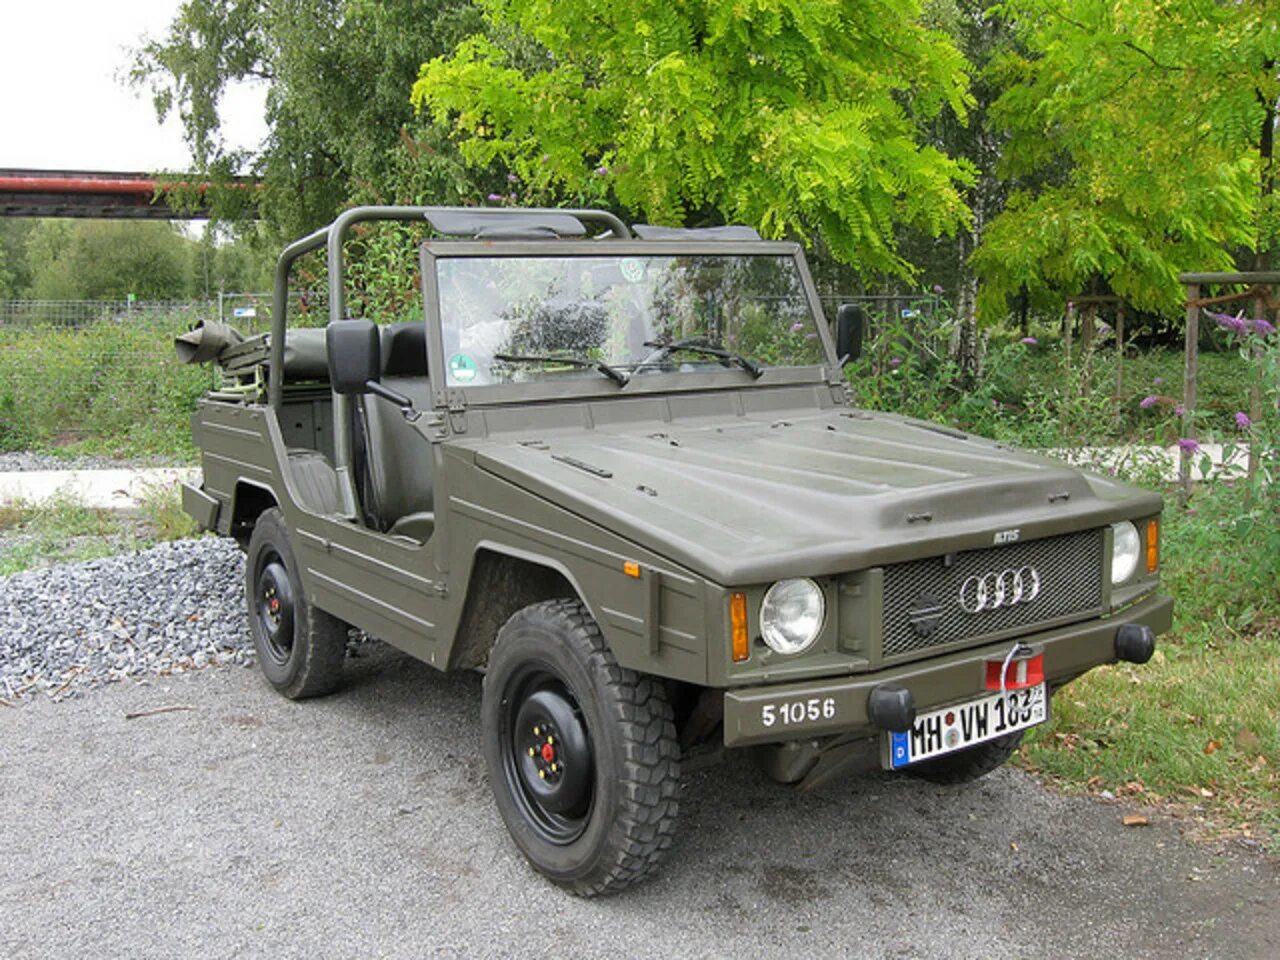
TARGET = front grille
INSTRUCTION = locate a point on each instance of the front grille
(922, 608)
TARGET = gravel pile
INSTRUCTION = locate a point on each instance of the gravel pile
(169, 609)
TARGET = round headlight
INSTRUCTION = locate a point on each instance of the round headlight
(1124, 555)
(791, 615)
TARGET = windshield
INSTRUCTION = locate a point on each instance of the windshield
(508, 319)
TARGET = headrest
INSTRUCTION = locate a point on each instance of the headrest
(305, 354)
(404, 349)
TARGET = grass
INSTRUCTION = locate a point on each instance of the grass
(1198, 728)
(64, 530)
(1194, 730)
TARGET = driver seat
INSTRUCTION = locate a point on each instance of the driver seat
(394, 460)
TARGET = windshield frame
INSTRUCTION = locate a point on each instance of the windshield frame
(592, 388)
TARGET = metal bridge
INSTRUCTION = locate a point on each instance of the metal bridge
(80, 193)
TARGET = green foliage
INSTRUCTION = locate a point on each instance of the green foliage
(110, 388)
(15, 277)
(107, 260)
(1134, 145)
(161, 517)
(800, 118)
(337, 74)
(56, 530)
(63, 529)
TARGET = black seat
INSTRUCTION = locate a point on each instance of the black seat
(393, 459)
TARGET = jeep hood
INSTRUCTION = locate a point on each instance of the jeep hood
(752, 500)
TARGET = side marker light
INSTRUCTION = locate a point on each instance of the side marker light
(738, 626)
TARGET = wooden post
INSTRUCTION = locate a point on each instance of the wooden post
(1119, 398)
(1068, 328)
(1086, 347)
(1189, 388)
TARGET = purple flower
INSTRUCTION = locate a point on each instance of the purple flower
(1030, 341)
(512, 178)
(895, 362)
(1235, 325)
(495, 197)
(937, 288)
(1179, 410)
(1148, 402)
(1187, 445)
(797, 327)
(1263, 328)
(602, 171)
(1242, 420)
(1158, 381)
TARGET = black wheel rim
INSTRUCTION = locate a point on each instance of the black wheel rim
(547, 760)
(274, 608)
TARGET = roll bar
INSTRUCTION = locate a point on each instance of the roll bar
(332, 237)
(335, 234)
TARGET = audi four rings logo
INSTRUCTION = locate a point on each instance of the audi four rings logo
(992, 591)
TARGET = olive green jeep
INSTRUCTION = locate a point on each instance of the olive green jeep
(617, 470)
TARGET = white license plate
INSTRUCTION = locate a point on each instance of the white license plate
(953, 728)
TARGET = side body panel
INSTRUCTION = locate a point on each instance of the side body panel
(412, 595)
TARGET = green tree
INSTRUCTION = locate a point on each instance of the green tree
(337, 74)
(800, 117)
(107, 260)
(15, 276)
(1138, 145)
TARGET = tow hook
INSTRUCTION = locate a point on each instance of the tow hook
(1135, 642)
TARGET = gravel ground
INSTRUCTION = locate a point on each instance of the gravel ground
(168, 609)
(23, 461)
(197, 813)
(360, 825)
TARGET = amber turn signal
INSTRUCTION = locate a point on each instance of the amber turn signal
(1153, 544)
(631, 568)
(738, 626)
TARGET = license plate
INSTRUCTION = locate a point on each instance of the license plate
(962, 725)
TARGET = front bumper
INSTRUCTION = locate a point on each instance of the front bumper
(839, 705)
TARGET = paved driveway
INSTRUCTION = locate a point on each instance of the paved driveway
(361, 826)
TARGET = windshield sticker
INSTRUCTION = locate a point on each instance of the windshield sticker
(632, 269)
(462, 369)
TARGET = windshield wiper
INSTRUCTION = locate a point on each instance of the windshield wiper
(707, 348)
(613, 373)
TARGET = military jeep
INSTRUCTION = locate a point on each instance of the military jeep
(617, 470)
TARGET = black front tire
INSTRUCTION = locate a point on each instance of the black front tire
(582, 753)
(299, 647)
(969, 764)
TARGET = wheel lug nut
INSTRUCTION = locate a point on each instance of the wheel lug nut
(542, 774)
(532, 752)
(537, 731)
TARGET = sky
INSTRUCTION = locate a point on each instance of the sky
(62, 106)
